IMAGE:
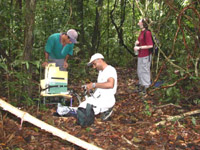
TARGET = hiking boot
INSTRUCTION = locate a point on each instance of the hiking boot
(143, 90)
(105, 115)
(138, 89)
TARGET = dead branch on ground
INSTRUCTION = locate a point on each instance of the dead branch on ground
(177, 117)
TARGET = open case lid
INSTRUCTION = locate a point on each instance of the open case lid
(53, 74)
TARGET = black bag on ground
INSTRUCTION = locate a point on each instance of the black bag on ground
(85, 116)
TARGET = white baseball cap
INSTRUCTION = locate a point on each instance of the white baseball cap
(73, 35)
(94, 57)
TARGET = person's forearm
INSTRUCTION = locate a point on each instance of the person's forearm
(45, 63)
(66, 58)
(146, 47)
(46, 56)
(106, 85)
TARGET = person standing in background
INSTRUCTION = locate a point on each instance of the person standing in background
(142, 46)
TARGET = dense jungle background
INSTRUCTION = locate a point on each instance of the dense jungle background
(108, 27)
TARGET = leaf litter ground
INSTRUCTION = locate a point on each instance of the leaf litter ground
(131, 126)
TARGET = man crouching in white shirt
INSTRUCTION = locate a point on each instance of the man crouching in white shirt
(103, 98)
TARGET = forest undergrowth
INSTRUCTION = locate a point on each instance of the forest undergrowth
(134, 123)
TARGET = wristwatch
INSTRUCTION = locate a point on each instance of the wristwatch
(93, 85)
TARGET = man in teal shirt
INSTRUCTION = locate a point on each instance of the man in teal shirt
(59, 47)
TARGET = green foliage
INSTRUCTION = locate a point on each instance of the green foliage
(196, 101)
(147, 109)
(194, 121)
(80, 72)
(171, 95)
(17, 148)
(15, 80)
(87, 129)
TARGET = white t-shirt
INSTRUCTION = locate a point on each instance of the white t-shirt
(104, 75)
(103, 99)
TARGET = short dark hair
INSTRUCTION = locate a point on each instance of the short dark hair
(145, 22)
(64, 33)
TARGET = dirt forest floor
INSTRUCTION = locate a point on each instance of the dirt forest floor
(132, 125)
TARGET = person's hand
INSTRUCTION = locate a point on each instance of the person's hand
(44, 64)
(136, 48)
(137, 43)
(65, 65)
(89, 87)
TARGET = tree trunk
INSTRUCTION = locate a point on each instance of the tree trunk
(82, 41)
(108, 28)
(119, 28)
(28, 37)
(96, 32)
(82, 35)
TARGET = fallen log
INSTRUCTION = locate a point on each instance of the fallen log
(55, 131)
(170, 118)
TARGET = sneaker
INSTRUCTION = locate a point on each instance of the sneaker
(105, 115)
